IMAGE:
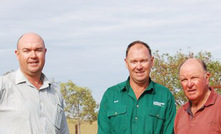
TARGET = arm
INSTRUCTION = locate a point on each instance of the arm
(103, 120)
(1, 88)
(176, 119)
(64, 125)
(170, 115)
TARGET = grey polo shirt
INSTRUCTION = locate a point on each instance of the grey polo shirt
(27, 110)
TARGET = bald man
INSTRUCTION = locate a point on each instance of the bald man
(29, 103)
(202, 113)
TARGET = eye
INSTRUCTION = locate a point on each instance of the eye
(195, 78)
(183, 80)
(133, 62)
(144, 61)
(39, 50)
(25, 50)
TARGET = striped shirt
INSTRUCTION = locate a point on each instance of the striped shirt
(26, 110)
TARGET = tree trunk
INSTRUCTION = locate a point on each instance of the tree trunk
(76, 129)
(78, 113)
(79, 128)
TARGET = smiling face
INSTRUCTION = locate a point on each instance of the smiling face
(194, 80)
(31, 54)
(139, 63)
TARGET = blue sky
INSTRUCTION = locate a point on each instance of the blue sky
(86, 40)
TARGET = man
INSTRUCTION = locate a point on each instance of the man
(138, 105)
(202, 113)
(29, 103)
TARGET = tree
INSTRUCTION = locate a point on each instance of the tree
(165, 71)
(80, 104)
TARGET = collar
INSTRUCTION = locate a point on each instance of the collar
(125, 86)
(212, 97)
(210, 101)
(20, 78)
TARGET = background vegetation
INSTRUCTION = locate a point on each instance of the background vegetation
(166, 66)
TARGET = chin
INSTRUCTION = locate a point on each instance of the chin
(192, 98)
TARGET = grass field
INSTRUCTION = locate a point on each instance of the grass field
(86, 128)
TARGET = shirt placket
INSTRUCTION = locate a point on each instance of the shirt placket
(42, 116)
(136, 119)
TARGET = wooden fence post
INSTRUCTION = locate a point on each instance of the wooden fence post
(76, 129)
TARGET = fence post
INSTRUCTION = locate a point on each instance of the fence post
(76, 129)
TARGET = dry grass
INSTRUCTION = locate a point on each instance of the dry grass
(86, 128)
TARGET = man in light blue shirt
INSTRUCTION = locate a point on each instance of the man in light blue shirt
(29, 103)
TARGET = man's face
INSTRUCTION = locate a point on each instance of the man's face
(31, 54)
(139, 63)
(194, 80)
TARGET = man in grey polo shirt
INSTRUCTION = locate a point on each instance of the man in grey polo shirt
(29, 103)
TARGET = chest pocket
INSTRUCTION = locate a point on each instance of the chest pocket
(117, 116)
(155, 118)
(158, 113)
(58, 117)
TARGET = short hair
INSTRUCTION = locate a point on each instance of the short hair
(138, 42)
(202, 63)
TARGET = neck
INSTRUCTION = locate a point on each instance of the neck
(139, 88)
(35, 80)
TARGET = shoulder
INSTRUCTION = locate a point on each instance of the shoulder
(218, 101)
(181, 109)
(161, 90)
(179, 114)
(7, 79)
(56, 89)
(114, 90)
(6, 82)
(219, 97)
(160, 87)
(117, 87)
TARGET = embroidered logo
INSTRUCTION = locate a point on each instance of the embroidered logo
(116, 101)
(160, 104)
(212, 123)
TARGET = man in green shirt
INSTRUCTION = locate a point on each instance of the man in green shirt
(138, 105)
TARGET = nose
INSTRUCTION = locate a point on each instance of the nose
(189, 83)
(139, 66)
(33, 54)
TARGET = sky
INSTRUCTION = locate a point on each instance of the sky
(87, 40)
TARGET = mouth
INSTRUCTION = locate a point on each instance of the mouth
(139, 73)
(33, 63)
(191, 91)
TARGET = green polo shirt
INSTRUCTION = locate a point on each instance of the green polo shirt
(121, 113)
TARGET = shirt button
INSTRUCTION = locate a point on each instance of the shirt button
(137, 105)
(135, 118)
(115, 113)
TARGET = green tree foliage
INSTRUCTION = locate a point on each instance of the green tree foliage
(166, 66)
(80, 104)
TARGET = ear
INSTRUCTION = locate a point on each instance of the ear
(17, 54)
(126, 62)
(207, 76)
(152, 61)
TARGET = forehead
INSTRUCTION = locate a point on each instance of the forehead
(191, 67)
(137, 49)
(30, 41)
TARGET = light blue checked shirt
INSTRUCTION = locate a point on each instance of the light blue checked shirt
(27, 110)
